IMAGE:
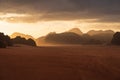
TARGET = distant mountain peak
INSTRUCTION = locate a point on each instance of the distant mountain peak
(15, 34)
(76, 30)
(96, 32)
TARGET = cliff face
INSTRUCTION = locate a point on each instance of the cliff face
(99, 32)
(5, 41)
(116, 39)
(14, 35)
(76, 30)
(64, 38)
(20, 40)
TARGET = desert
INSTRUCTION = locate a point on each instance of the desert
(79, 62)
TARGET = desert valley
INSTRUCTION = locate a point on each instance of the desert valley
(61, 60)
(59, 39)
(60, 63)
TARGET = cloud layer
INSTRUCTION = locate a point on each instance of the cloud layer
(100, 10)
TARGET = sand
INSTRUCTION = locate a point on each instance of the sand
(60, 63)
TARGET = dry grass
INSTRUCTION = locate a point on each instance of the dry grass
(60, 63)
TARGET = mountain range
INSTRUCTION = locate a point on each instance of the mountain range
(73, 36)
(14, 35)
(76, 30)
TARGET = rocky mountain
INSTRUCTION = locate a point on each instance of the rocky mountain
(64, 38)
(5, 40)
(76, 30)
(116, 39)
(21, 40)
(14, 35)
(100, 32)
(75, 36)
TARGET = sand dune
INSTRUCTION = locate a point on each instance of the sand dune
(60, 63)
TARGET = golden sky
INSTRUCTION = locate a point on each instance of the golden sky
(39, 17)
(42, 28)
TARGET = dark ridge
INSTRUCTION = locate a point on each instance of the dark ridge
(76, 30)
(64, 38)
(71, 37)
(20, 40)
(5, 41)
(116, 39)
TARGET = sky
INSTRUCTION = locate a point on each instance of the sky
(39, 17)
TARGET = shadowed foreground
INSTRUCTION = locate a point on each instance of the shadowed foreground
(60, 63)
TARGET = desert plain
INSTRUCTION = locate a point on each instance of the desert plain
(60, 63)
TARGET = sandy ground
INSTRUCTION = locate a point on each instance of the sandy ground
(60, 63)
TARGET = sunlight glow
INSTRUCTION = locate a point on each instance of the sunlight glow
(44, 27)
(12, 15)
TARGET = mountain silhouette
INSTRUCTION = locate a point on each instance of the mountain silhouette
(41, 41)
(116, 39)
(99, 32)
(64, 38)
(75, 36)
(21, 40)
(14, 35)
(61, 38)
(104, 36)
(76, 30)
(5, 41)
